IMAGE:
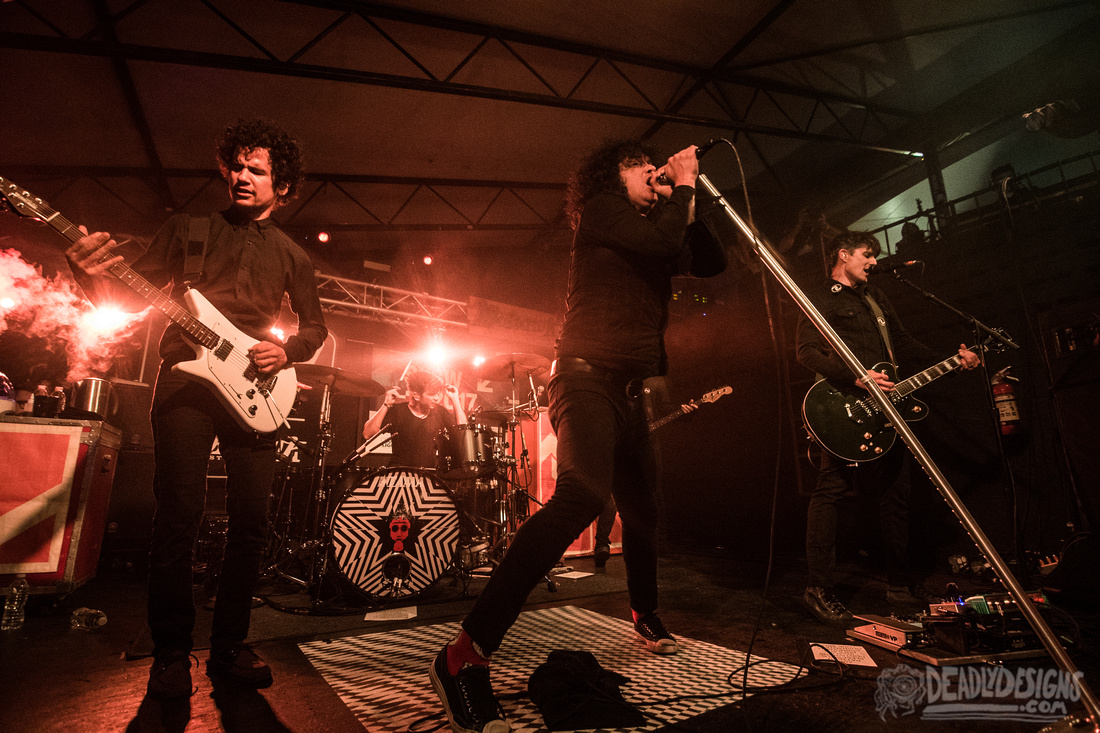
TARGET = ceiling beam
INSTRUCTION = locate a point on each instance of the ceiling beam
(136, 52)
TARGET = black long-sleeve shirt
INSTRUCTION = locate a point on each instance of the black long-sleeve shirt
(620, 275)
(845, 309)
(247, 268)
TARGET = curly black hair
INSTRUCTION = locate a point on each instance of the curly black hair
(850, 241)
(598, 171)
(284, 152)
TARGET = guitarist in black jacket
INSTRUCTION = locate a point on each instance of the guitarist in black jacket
(247, 266)
(867, 323)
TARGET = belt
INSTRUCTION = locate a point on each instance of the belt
(573, 364)
(576, 365)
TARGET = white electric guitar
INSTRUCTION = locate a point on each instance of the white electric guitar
(258, 401)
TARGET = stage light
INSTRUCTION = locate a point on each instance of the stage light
(279, 333)
(106, 320)
(437, 355)
(478, 360)
(322, 237)
(7, 303)
(428, 259)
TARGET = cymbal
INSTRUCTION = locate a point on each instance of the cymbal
(499, 368)
(340, 380)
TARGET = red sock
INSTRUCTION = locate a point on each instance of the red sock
(461, 652)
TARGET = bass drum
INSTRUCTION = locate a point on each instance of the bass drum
(394, 532)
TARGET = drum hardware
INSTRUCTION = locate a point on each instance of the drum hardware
(513, 500)
(310, 547)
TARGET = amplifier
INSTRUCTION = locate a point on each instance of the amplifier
(53, 499)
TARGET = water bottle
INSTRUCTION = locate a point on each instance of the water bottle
(88, 619)
(40, 402)
(57, 400)
(15, 604)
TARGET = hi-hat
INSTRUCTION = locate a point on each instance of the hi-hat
(505, 366)
(339, 380)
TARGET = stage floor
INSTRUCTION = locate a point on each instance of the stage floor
(58, 679)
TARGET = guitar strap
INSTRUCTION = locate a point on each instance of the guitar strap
(880, 321)
(194, 256)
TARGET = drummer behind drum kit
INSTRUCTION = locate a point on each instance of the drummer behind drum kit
(391, 533)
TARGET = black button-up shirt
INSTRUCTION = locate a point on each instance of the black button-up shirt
(846, 310)
(248, 267)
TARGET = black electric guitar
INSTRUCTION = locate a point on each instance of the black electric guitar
(259, 402)
(711, 396)
(848, 422)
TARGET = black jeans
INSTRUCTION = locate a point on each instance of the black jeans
(186, 418)
(603, 451)
(885, 481)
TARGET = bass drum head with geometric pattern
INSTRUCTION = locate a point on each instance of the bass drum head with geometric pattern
(395, 532)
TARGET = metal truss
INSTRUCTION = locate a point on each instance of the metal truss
(380, 302)
(800, 107)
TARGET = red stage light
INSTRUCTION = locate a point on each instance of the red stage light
(428, 259)
(322, 237)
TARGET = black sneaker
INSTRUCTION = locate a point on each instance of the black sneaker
(241, 664)
(602, 555)
(467, 697)
(655, 635)
(170, 676)
(825, 606)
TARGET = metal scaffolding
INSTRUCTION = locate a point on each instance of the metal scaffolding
(384, 303)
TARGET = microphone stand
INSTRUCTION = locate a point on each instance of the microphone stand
(983, 331)
(1023, 602)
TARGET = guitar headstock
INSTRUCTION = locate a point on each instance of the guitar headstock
(23, 202)
(715, 394)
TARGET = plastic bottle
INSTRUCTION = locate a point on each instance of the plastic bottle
(40, 402)
(88, 619)
(15, 604)
(57, 400)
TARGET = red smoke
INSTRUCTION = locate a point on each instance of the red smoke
(54, 309)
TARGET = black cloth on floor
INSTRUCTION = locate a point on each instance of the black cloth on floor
(572, 691)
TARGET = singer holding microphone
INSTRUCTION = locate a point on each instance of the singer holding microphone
(632, 234)
(868, 324)
(416, 417)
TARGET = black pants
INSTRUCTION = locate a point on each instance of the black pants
(884, 481)
(603, 451)
(187, 417)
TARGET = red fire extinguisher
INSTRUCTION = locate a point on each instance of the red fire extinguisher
(1005, 397)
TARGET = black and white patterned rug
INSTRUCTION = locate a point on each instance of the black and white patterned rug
(383, 677)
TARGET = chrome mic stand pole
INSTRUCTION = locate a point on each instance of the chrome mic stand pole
(1023, 603)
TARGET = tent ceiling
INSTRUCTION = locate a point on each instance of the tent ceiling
(456, 124)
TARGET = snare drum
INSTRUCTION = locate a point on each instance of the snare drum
(394, 532)
(465, 451)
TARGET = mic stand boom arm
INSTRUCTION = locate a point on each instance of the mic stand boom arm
(1023, 603)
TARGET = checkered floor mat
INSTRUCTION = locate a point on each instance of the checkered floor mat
(383, 677)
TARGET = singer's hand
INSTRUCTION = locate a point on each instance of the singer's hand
(682, 168)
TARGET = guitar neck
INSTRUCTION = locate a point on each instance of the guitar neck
(662, 421)
(926, 377)
(141, 286)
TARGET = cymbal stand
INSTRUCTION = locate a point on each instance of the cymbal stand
(509, 511)
(315, 529)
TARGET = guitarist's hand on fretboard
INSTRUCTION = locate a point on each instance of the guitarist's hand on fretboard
(970, 360)
(91, 253)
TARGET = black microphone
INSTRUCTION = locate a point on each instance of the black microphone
(700, 151)
(894, 267)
